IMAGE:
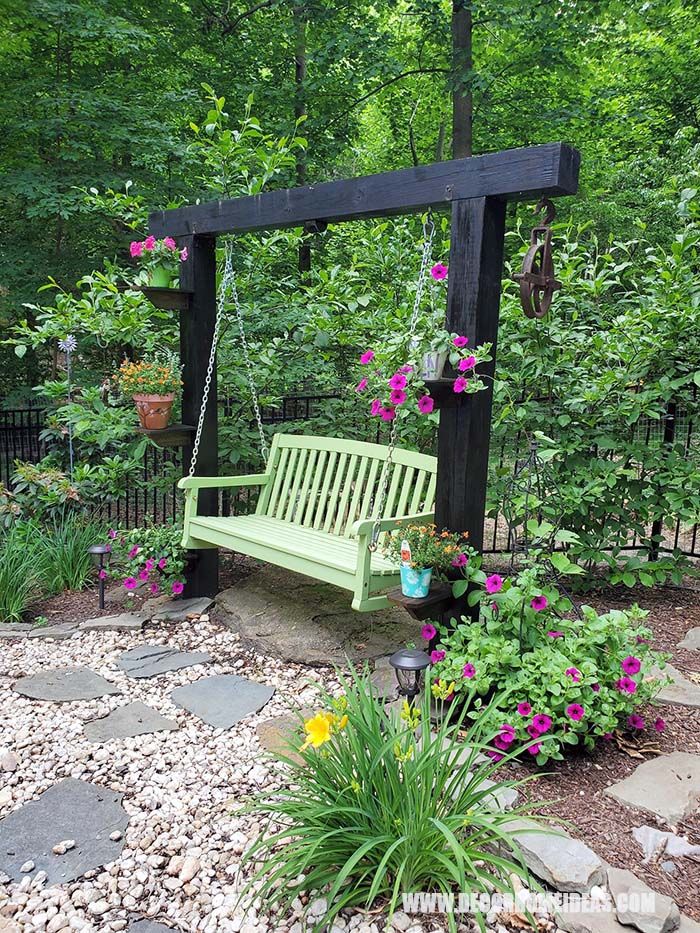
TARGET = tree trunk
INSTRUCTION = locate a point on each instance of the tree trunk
(300, 111)
(462, 102)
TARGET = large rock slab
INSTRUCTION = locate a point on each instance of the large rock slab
(630, 895)
(150, 660)
(56, 632)
(691, 640)
(222, 700)
(123, 622)
(306, 622)
(668, 786)
(564, 863)
(64, 685)
(682, 692)
(15, 629)
(125, 721)
(71, 809)
(177, 610)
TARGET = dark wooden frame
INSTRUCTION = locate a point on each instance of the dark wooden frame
(476, 191)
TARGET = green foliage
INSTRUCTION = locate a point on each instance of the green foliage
(20, 573)
(443, 551)
(371, 810)
(62, 551)
(151, 555)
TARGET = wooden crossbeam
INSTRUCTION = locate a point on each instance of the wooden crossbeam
(513, 174)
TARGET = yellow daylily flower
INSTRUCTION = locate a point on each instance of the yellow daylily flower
(318, 730)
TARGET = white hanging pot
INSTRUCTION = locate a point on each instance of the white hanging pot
(433, 364)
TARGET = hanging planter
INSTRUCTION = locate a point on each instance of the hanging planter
(432, 364)
(153, 385)
(159, 258)
(160, 276)
(154, 411)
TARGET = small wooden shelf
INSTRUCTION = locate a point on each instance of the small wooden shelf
(170, 299)
(439, 597)
(441, 390)
(175, 435)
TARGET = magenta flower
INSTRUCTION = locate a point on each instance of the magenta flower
(135, 248)
(635, 721)
(542, 722)
(631, 665)
(361, 385)
(169, 243)
(439, 272)
(641, 640)
(595, 688)
(108, 548)
(538, 603)
(130, 583)
(161, 563)
(112, 534)
(133, 552)
(503, 742)
(388, 414)
(626, 685)
(437, 656)
(659, 724)
(428, 632)
(460, 560)
(575, 711)
(524, 709)
(574, 673)
(494, 583)
(406, 369)
(459, 385)
(533, 731)
(184, 253)
(102, 575)
(178, 587)
(608, 736)
(376, 407)
(149, 243)
(495, 756)
(555, 634)
(460, 342)
(535, 749)
(397, 381)
(155, 589)
(468, 671)
(150, 564)
(425, 404)
(143, 575)
(468, 362)
(367, 357)
(397, 397)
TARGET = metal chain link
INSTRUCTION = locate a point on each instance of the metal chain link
(228, 283)
(428, 237)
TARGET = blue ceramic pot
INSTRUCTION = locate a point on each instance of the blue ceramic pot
(415, 583)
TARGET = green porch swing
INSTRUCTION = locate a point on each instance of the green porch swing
(325, 503)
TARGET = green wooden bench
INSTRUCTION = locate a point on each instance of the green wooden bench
(317, 509)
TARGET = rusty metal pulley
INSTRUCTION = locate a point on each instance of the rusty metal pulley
(536, 276)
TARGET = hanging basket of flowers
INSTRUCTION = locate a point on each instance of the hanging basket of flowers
(153, 385)
(158, 260)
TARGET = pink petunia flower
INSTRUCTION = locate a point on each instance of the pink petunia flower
(542, 722)
(134, 551)
(150, 564)
(178, 587)
(439, 272)
(575, 711)
(361, 385)
(102, 575)
(161, 563)
(437, 656)
(367, 357)
(468, 362)
(574, 673)
(631, 665)
(626, 685)
(555, 634)
(397, 397)
(468, 670)
(135, 248)
(503, 742)
(387, 414)
(460, 342)
(635, 721)
(538, 603)
(425, 404)
(112, 534)
(406, 369)
(495, 756)
(494, 583)
(608, 736)
(149, 243)
(459, 385)
(143, 575)
(130, 583)
(535, 749)
(108, 548)
(397, 381)
(184, 253)
(533, 731)
(376, 407)
(524, 709)
(659, 724)
(460, 560)
(169, 243)
(155, 589)
(428, 632)
(595, 688)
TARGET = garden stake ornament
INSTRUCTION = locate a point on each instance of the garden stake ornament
(536, 276)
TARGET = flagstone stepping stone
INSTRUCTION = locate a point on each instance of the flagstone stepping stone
(150, 660)
(71, 809)
(655, 842)
(222, 700)
(564, 863)
(630, 895)
(125, 721)
(282, 735)
(123, 622)
(177, 610)
(668, 786)
(15, 629)
(691, 640)
(147, 926)
(57, 632)
(64, 685)
(682, 692)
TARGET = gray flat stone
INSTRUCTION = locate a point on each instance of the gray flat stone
(306, 622)
(64, 685)
(56, 632)
(283, 735)
(564, 863)
(682, 692)
(150, 660)
(70, 809)
(665, 916)
(15, 629)
(574, 921)
(123, 622)
(148, 926)
(668, 786)
(691, 640)
(222, 700)
(177, 610)
(124, 721)
(688, 925)
(655, 843)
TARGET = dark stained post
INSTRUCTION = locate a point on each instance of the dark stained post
(473, 296)
(198, 274)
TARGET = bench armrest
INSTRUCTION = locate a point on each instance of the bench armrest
(213, 482)
(364, 528)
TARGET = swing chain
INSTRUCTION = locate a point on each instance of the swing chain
(428, 237)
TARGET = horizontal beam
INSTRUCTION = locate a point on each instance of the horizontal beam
(514, 174)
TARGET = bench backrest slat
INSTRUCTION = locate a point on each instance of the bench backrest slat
(328, 483)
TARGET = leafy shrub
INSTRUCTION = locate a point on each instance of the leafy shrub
(152, 556)
(559, 681)
(62, 552)
(371, 811)
(20, 573)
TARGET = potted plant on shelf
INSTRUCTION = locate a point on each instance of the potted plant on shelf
(419, 551)
(159, 259)
(153, 385)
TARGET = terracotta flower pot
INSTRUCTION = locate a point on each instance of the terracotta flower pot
(154, 410)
